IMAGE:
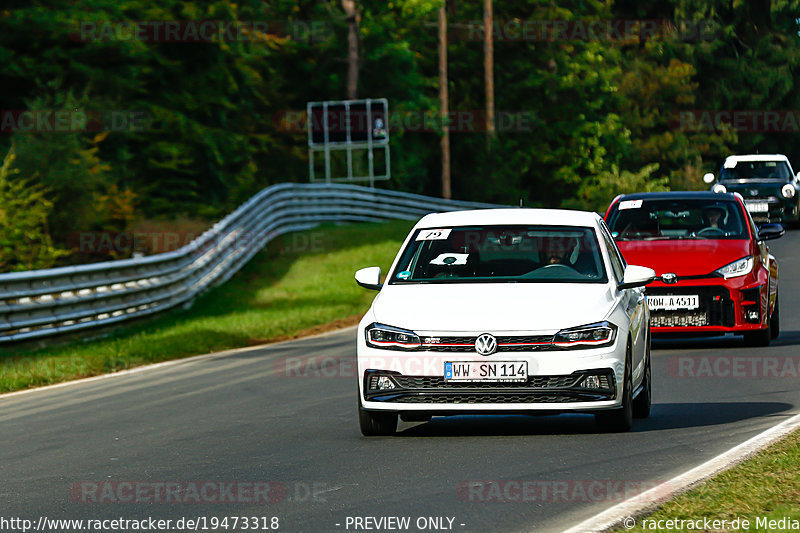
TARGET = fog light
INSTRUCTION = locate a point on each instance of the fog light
(591, 382)
(752, 315)
(385, 383)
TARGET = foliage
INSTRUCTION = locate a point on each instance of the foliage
(25, 241)
(595, 194)
(191, 129)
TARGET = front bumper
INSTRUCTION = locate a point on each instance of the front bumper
(780, 210)
(556, 381)
(736, 305)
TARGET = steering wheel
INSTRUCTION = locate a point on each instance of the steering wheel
(559, 265)
(711, 231)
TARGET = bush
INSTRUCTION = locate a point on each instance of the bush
(25, 242)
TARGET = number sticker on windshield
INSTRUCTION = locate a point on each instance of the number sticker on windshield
(433, 234)
(630, 204)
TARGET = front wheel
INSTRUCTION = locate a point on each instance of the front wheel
(621, 419)
(641, 404)
(775, 320)
(376, 423)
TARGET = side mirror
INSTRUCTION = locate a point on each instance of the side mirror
(767, 232)
(637, 276)
(369, 278)
(709, 178)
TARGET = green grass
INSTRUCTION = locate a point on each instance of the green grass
(766, 486)
(298, 282)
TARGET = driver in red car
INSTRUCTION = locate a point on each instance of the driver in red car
(714, 216)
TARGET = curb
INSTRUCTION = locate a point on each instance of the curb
(172, 362)
(625, 513)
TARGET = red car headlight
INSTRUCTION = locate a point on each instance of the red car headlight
(740, 267)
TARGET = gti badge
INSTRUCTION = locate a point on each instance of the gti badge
(669, 278)
(485, 344)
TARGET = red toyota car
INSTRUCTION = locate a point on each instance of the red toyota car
(716, 274)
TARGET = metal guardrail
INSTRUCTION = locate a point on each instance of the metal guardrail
(42, 303)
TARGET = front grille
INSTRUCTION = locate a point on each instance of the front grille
(516, 343)
(716, 308)
(501, 398)
(546, 389)
(672, 319)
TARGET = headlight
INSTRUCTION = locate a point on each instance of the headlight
(788, 191)
(718, 187)
(737, 268)
(590, 336)
(381, 336)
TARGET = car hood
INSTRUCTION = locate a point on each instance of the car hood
(691, 257)
(492, 307)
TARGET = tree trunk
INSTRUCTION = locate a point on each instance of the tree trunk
(488, 67)
(443, 101)
(351, 12)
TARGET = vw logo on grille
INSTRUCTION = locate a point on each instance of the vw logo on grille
(753, 192)
(669, 277)
(485, 344)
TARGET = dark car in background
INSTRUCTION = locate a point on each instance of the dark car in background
(716, 273)
(767, 184)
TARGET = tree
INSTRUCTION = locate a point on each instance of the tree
(25, 242)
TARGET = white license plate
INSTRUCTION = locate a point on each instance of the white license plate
(673, 303)
(486, 370)
(757, 207)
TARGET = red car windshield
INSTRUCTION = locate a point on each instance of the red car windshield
(669, 218)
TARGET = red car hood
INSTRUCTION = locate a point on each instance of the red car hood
(694, 257)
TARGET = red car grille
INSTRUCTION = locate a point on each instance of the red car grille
(716, 308)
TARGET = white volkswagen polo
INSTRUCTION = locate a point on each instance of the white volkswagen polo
(505, 311)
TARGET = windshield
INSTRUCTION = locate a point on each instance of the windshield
(659, 219)
(745, 170)
(502, 254)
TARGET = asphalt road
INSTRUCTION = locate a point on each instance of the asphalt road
(221, 427)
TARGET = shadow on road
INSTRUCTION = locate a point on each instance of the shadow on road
(663, 416)
(786, 338)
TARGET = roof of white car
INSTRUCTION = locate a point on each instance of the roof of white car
(545, 217)
(757, 157)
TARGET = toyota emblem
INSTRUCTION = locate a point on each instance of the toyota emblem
(669, 278)
(485, 344)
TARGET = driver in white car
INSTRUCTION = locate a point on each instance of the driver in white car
(558, 250)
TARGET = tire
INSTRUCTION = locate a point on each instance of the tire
(775, 320)
(641, 404)
(376, 423)
(619, 420)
